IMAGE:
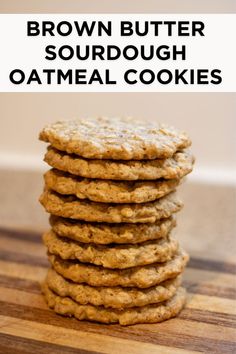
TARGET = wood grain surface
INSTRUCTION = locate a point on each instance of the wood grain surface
(207, 324)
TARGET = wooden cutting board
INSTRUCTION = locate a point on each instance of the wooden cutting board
(207, 324)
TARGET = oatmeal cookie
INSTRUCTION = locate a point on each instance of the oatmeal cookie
(101, 233)
(175, 167)
(115, 138)
(140, 277)
(147, 314)
(74, 208)
(112, 256)
(108, 191)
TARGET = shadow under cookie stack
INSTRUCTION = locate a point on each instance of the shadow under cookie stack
(112, 203)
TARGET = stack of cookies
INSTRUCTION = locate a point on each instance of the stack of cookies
(112, 203)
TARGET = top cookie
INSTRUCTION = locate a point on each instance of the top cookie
(115, 138)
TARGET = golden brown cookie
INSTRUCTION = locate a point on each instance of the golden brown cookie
(108, 191)
(115, 138)
(140, 277)
(146, 314)
(112, 256)
(114, 297)
(74, 208)
(175, 167)
(101, 233)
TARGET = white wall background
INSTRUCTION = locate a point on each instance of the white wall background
(210, 119)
